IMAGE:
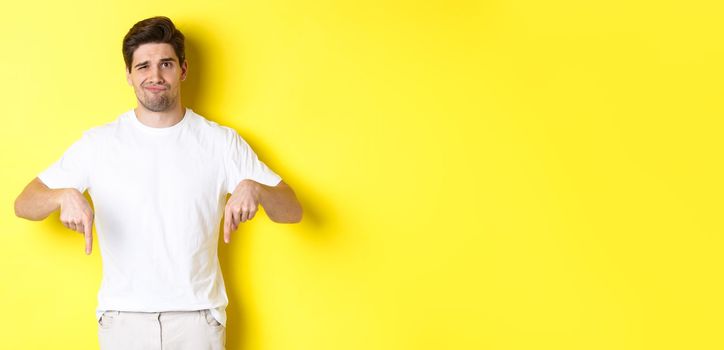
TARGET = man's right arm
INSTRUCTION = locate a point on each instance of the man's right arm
(37, 201)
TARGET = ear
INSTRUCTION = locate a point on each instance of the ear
(184, 69)
(128, 77)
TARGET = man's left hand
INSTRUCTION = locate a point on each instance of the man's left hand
(241, 206)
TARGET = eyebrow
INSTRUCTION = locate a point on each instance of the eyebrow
(167, 59)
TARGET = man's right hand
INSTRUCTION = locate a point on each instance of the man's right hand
(77, 215)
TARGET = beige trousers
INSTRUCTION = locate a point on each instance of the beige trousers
(171, 330)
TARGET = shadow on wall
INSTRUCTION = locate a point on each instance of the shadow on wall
(196, 95)
(192, 89)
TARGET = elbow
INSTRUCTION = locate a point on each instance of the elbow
(297, 217)
(298, 213)
(19, 209)
(293, 217)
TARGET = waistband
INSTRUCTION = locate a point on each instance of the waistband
(154, 314)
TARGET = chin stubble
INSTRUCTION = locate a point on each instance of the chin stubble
(160, 104)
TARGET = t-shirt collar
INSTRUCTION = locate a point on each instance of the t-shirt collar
(138, 124)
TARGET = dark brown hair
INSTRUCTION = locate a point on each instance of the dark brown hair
(153, 30)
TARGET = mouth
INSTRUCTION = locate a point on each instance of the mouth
(155, 88)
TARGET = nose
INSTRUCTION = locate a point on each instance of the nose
(155, 76)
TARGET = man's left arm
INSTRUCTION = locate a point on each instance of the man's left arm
(279, 202)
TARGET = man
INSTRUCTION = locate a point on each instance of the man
(158, 176)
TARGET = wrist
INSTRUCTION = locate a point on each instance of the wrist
(58, 196)
(251, 187)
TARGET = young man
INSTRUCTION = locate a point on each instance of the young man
(158, 176)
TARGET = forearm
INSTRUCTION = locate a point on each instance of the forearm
(37, 201)
(280, 203)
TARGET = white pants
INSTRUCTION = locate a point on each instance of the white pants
(171, 330)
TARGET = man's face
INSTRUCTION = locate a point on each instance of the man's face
(156, 76)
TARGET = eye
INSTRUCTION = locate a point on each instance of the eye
(166, 64)
(141, 67)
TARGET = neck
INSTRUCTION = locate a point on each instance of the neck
(164, 119)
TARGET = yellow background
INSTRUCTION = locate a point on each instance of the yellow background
(475, 175)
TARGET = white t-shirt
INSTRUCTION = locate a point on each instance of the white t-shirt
(159, 196)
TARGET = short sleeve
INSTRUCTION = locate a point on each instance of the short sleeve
(242, 163)
(72, 169)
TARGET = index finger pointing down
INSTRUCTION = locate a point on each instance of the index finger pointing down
(88, 227)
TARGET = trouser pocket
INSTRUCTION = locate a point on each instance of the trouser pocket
(107, 319)
(210, 318)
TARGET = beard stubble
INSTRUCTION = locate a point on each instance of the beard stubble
(157, 103)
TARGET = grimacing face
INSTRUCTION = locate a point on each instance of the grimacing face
(156, 76)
